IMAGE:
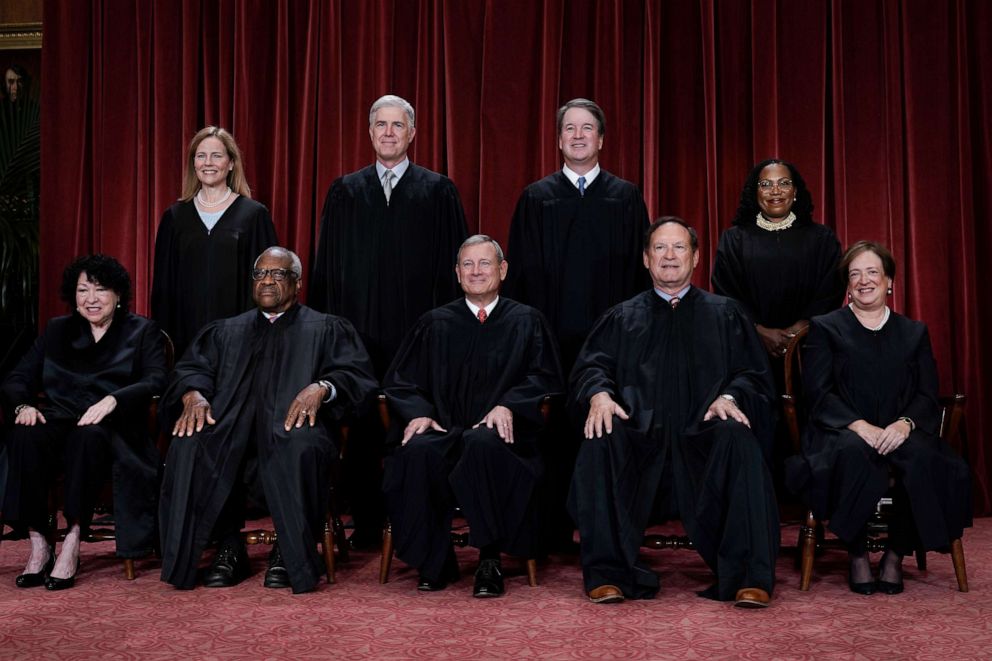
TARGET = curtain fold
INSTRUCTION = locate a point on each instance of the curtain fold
(883, 106)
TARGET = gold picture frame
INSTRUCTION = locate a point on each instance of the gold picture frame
(20, 36)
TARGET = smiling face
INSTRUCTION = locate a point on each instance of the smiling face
(776, 192)
(95, 302)
(212, 162)
(391, 135)
(580, 140)
(271, 295)
(867, 283)
(480, 272)
(670, 258)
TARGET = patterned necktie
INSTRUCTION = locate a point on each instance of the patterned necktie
(674, 302)
(482, 315)
(582, 186)
(387, 184)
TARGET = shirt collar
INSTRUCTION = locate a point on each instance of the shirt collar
(669, 297)
(397, 169)
(475, 308)
(573, 176)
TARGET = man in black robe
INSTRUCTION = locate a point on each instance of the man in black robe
(387, 235)
(468, 383)
(575, 244)
(674, 389)
(255, 387)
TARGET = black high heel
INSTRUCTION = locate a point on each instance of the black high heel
(38, 578)
(55, 583)
(860, 588)
(885, 586)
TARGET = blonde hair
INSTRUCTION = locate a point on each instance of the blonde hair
(235, 178)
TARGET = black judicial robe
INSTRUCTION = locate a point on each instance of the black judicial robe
(382, 265)
(201, 276)
(455, 370)
(74, 372)
(574, 256)
(852, 373)
(250, 370)
(779, 277)
(665, 367)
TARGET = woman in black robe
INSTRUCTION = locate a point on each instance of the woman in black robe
(208, 240)
(871, 383)
(775, 260)
(97, 370)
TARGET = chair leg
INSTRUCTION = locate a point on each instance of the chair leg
(807, 535)
(921, 559)
(532, 572)
(957, 557)
(329, 551)
(387, 553)
(129, 569)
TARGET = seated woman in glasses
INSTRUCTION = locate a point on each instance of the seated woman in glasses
(96, 371)
(871, 384)
(774, 259)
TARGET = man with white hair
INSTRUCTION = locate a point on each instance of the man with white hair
(387, 235)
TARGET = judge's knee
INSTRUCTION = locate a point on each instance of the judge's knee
(482, 440)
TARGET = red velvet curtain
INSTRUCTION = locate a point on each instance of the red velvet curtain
(883, 105)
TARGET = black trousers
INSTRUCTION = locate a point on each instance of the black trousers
(37, 454)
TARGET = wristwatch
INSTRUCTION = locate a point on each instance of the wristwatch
(729, 398)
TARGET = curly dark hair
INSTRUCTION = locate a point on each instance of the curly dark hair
(747, 208)
(101, 269)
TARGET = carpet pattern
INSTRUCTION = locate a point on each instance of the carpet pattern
(107, 617)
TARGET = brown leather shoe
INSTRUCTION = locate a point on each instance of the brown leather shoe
(606, 594)
(751, 598)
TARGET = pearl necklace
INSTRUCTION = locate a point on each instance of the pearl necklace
(775, 227)
(203, 202)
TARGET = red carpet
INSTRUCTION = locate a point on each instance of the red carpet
(107, 617)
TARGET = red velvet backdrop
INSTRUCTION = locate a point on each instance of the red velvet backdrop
(884, 106)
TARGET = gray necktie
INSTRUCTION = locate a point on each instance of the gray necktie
(582, 186)
(387, 184)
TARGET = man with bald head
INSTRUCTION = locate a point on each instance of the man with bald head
(261, 388)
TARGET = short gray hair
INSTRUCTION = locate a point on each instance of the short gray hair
(476, 239)
(393, 101)
(296, 268)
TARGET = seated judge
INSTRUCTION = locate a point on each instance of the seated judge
(97, 370)
(674, 389)
(871, 384)
(264, 387)
(468, 383)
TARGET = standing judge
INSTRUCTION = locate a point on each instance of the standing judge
(387, 235)
(208, 240)
(468, 383)
(264, 385)
(674, 389)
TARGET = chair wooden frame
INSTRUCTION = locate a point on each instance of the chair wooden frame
(812, 538)
(458, 538)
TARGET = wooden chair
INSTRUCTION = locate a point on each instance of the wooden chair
(104, 531)
(812, 538)
(459, 536)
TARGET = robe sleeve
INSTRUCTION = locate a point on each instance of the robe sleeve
(749, 376)
(451, 229)
(152, 370)
(346, 364)
(923, 408)
(164, 275)
(595, 369)
(830, 291)
(523, 279)
(728, 270)
(24, 382)
(637, 278)
(195, 370)
(826, 404)
(409, 377)
(542, 378)
(321, 286)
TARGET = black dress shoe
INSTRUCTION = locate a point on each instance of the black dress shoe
(38, 578)
(488, 579)
(230, 567)
(54, 583)
(449, 574)
(276, 576)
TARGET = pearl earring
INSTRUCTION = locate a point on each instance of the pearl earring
(890, 291)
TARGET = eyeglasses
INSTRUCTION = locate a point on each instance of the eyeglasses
(783, 184)
(277, 274)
